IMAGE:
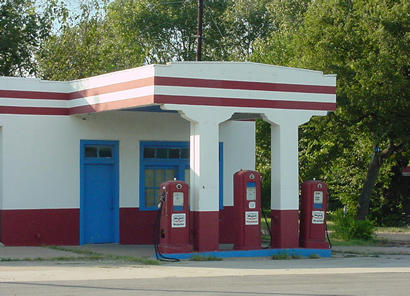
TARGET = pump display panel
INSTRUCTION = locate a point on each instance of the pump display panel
(178, 199)
(318, 199)
(251, 191)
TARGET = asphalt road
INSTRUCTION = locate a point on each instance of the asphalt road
(384, 275)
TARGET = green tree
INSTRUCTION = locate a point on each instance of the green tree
(125, 34)
(22, 30)
(166, 29)
(366, 43)
(87, 44)
(286, 18)
(276, 47)
(245, 21)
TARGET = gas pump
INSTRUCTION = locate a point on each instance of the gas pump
(313, 215)
(174, 230)
(247, 210)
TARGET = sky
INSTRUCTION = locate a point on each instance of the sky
(72, 5)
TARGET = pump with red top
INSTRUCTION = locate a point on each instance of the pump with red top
(174, 224)
(247, 210)
(313, 215)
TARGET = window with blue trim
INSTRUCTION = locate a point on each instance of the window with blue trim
(164, 161)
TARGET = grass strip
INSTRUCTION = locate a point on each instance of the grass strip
(285, 256)
(369, 253)
(204, 258)
(87, 255)
(404, 229)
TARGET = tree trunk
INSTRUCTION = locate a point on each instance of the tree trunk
(368, 186)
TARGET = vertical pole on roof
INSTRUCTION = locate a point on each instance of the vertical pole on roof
(199, 30)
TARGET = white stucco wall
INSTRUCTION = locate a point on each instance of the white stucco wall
(239, 152)
(42, 153)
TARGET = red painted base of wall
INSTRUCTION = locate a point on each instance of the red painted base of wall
(226, 226)
(172, 248)
(285, 229)
(61, 227)
(136, 227)
(206, 231)
(39, 227)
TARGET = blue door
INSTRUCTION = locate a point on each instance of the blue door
(99, 192)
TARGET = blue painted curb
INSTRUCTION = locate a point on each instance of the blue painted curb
(255, 253)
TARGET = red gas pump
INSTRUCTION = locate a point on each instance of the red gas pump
(247, 210)
(174, 224)
(313, 215)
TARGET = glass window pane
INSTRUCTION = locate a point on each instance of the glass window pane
(105, 152)
(159, 177)
(187, 175)
(169, 174)
(151, 197)
(174, 153)
(162, 153)
(149, 152)
(90, 151)
(185, 153)
(149, 178)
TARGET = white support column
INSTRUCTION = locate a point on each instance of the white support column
(204, 155)
(285, 167)
(285, 174)
(204, 162)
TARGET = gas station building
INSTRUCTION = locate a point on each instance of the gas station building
(82, 161)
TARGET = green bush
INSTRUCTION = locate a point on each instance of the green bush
(346, 227)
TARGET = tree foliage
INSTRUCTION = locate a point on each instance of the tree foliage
(22, 30)
(245, 21)
(87, 45)
(124, 33)
(366, 44)
(286, 18)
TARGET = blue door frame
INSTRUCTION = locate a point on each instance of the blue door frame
(93, 164)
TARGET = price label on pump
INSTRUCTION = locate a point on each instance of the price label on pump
(318, 217)
(251, 218)
(178, 220)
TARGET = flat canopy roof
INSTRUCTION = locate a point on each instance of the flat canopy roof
(227, 84)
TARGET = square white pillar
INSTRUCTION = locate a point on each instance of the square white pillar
(204, 178)
(285, 175)
(284, 167)
(204, 163)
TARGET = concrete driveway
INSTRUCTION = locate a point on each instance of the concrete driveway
(354, 270)
(383, 275)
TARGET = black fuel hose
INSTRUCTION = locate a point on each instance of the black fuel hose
(157, 225)
(328, 238)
